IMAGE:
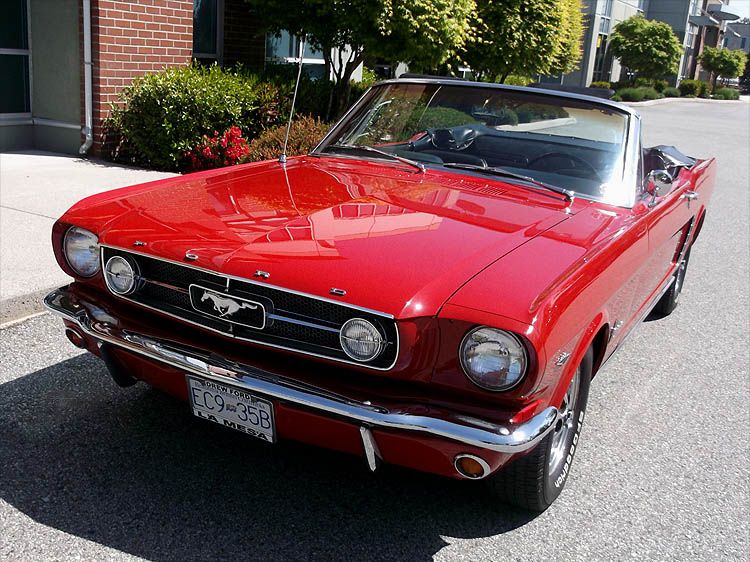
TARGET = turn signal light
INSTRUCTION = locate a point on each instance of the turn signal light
(471, 467)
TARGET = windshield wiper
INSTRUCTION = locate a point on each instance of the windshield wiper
(502, 172)
(364, 148)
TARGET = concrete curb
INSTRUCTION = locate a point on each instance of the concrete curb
(17, 308)
(745, 99)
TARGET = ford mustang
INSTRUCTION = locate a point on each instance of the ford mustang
(433, 286)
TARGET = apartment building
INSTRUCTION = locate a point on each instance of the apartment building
(697, 23)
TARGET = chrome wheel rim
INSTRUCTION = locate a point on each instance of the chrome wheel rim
(565, 425)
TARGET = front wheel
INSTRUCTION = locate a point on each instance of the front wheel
(535, 480)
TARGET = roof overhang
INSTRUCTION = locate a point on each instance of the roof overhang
(720, 12)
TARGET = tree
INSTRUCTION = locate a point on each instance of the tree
(424, 33)
(745, 78)
(647, 47)
(524, 37)
(722, 62)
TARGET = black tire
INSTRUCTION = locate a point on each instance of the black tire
(534, 481)
(669, 301)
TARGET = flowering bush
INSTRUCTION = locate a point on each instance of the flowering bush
(219, 150)
(305, 135)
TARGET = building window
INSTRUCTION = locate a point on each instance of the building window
(15, 78)
(284, 48)
(208, 30)
(602, 60)
(743, 43)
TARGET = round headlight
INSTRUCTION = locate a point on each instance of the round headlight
(493, 359)
(81, 249)
(361, 340)
(120, 275)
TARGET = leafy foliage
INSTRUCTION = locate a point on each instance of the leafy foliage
(692, 88)
(218, 151)
(515, 80)
(525, 37)
(600, 84)
(727, 94)
(723, 62)
(305, 134)
(648, 47)
(745, 78)
(639, 94)
(423, 33)
(671, 92)
(160, 116)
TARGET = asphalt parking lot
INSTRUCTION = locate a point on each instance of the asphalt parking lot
(92, 471)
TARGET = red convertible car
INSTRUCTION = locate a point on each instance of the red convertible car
(434, 286)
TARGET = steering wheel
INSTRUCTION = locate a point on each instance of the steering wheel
(449, 139)
(578, 164)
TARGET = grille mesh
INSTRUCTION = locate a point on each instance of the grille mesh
(296, 322)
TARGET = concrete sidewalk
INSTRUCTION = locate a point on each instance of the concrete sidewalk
(35, 189)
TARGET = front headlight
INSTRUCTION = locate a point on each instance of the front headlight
(361, 340)
(81, 249)
(493, 359)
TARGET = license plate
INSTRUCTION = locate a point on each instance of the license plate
(231, 407)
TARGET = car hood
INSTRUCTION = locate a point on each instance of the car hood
(395, 240)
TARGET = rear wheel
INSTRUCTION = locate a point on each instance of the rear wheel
(668, 302)
(535, 480)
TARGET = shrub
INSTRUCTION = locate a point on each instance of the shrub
(445, 117)
(650, 94)
(616, 97)
(515, 80)
(727, 94)
(691, 88)
(641, 82)
(600, 84)
(671, 92)
(217, 151)
(305, 134)
(630, 94)
(162, 115)
(639, 94)
(530, 112)
(660, 85)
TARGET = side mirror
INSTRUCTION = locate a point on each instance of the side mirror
(659, 183)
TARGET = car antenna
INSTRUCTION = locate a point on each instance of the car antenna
(282, 158)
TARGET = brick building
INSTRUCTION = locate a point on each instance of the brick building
(47, 48)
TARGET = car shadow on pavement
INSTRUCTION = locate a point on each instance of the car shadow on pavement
(131, 469)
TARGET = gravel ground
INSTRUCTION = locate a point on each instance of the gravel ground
(92, 471)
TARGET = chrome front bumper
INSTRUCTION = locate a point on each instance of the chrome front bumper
(98, 324)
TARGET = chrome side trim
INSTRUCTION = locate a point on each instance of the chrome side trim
(205, 364)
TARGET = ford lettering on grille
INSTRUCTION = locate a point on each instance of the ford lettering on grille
(230, 308)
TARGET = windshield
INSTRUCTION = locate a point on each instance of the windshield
(572, 144)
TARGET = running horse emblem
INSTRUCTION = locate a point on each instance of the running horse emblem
(225, 306)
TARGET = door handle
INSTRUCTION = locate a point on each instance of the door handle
(689, 196)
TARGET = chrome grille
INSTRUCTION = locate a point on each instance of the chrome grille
(296, 322)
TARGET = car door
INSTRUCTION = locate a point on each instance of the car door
(670, 217)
